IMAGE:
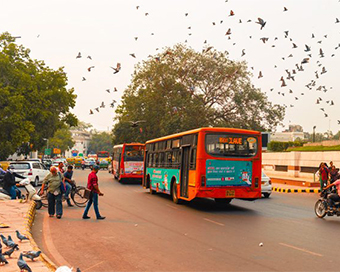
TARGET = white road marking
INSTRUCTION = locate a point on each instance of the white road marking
(214, 222)
(171, 206)
(89, 268)
(302, 249)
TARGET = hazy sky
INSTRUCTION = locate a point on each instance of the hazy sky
(56, 31)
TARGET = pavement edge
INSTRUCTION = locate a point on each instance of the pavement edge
(28, 225)
(288, 190)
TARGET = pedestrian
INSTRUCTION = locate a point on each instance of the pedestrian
(61, 167)
(323, 175)
(53, 181)
(9, 184)
(92, 185)
(68, 184)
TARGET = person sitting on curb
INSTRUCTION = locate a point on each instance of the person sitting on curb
(9, 184)
(92, 185)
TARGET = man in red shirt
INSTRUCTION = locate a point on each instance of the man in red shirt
(92, 184)
(323, 172)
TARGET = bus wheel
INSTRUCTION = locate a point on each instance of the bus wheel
(175, 198)
(223, 201)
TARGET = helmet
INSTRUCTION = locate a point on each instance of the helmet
(96, 167)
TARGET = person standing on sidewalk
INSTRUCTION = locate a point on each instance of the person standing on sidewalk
(92, 185)
(53, 182)
(323, 174)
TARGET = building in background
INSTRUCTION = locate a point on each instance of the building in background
(82, 139)
(293, 133)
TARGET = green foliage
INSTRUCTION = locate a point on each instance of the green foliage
(100, 141)
(316, 148)
(34, 101)
(276, 146)
(182, 89)
(62, 139)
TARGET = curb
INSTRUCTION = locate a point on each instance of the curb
(28, 225)
(287, 190)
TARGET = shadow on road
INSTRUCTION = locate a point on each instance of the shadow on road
(209, 205)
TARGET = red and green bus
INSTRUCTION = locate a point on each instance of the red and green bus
(219, 163)
(127, 161)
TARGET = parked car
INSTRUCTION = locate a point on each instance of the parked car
(266, 185)
(36, 171)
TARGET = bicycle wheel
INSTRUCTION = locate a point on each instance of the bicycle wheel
(77, 196)
(44, 197)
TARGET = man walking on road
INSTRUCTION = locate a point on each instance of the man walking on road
(92, 185)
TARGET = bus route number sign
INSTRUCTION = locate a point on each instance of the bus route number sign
(231, 140)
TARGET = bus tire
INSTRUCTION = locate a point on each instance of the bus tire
(174, 195)
(223, 201)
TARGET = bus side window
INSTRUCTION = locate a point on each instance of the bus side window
(155, 160)
(161, 162)
(193, 158)
(169, 159)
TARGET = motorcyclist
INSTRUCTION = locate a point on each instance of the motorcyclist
(333, 197)
(9, 184)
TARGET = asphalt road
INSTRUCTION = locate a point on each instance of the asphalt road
(144, 232)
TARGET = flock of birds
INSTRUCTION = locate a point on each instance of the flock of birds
(12, 246)
(291, 73)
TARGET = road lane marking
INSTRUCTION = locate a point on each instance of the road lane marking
(89, 268)
(171, 206)
(302, 249)
(214, 222)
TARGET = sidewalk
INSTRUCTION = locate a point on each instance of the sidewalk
(19, 216)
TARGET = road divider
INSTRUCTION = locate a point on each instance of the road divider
(293, 190)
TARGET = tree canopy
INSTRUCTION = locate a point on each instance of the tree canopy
(34, 100)
(182, 89)
(100, 141)
(62, 139)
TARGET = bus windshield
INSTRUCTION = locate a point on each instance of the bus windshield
(231, 145)
(134, 153)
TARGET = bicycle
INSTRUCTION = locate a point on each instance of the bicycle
(76, 193)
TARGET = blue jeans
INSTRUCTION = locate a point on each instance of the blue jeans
(14, 191)
(68, 190)
(54, 201)
(93, 199)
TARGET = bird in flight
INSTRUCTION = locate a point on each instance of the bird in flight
(231, 13)
(133, 55)
(285, 9)
(307, 48)
(78, 56)
(89, 57)
(108, 90)
(102, 105)
(89, 69)
(228, 32)
(135, 123)
(91, 112)
(117, 69)
(261, 22)
(115, 89)
(260, 75)
(83, 79)
(243, 53)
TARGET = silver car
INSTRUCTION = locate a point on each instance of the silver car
(266, 185)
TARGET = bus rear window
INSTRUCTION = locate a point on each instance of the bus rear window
(231, 145)
(134, 153)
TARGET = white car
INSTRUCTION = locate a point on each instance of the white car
(266, 185)
(36, 171)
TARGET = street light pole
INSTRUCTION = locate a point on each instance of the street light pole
(314, 134)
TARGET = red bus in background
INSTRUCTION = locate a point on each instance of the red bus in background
(128, 161)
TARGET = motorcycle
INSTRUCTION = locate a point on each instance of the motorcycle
(322, 208)
(31, 193)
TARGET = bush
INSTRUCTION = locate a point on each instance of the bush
(276, 146)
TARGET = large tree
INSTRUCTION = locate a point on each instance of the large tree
(34, 100)
(100, 141)
(62, 139)
(182, 89)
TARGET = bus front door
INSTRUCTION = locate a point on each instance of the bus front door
(146, 159)
(185, 171)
